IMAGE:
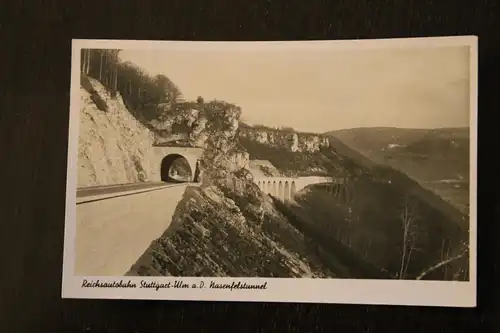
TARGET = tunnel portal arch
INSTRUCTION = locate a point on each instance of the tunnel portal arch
(166, 165)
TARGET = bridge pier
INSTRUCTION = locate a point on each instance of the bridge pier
(282, 189)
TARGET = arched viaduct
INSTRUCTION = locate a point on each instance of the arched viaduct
(165, 156)
(284, 188)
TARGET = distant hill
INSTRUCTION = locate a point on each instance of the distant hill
(436, 158)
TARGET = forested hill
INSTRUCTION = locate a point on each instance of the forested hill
(146, 97)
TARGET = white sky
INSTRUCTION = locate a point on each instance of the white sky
(319, 91)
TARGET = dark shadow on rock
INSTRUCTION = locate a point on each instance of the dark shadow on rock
(94, 96)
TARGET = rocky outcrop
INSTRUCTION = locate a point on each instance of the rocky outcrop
(183, 122)
(223, 154)
(293, 141)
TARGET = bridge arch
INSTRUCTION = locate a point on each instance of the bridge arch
(285, 188)
(177, 163)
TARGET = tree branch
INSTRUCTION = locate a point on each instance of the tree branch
(441, 264)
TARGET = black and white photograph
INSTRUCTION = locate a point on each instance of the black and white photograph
(304, 171)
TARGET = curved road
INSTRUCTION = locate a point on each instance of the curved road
(112, 234)
(109, 189)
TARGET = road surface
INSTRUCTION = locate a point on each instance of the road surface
(112, 234)
(108, 189)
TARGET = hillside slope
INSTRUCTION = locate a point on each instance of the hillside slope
(438, 158)
(372, 140)
(364, 215)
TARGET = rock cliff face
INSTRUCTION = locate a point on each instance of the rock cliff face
(275, 152)
(223, 154)
(113, 147)
(293, 141)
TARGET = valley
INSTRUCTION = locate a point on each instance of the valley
(437, 158)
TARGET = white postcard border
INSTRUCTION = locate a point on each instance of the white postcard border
(304, 290)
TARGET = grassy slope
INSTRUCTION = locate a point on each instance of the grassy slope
(328, 246)
(369, 223)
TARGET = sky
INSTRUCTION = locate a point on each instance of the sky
(330, 89)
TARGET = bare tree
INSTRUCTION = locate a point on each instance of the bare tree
(115, 86)
(82, 61)
(367, 248)
(86, 53)
(100, 64)
(445, 254)
(108, 69)
(87, 65)
(462, 251)
(408, 217)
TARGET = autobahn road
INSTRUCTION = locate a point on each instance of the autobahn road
(112, 234)
(109, 189)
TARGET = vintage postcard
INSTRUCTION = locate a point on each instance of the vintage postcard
(306, 171)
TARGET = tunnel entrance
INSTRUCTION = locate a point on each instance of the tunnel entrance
(175, 168)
